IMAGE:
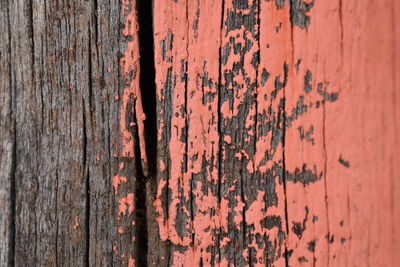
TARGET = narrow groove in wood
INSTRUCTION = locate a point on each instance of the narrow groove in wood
(219, 107)
(148, 93)
(87, 180)
(12, 194)
(147, 81)
(12, 207)
(219, 126)
(284, 179)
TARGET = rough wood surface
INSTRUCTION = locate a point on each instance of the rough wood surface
(276, 132)
(71, 117)
(213, 133)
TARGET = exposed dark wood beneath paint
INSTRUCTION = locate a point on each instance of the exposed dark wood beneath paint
(213, 133)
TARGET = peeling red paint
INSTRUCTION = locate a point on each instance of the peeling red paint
(117, 180)
(126, 204)
(187, 105)
(161, 165)
(278, 130)
(131, 94)
(115, 249)
(247, 171)
(76, 225)
(131, 133)
(131, 261)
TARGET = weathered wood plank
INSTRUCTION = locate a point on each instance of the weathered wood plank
(7, 142)
(76, 102)
(277, 133)
(103, 143)
(362, 131)
(287, 190)
(171, 56)
(50, 81)
(113, 146)
(274, 69)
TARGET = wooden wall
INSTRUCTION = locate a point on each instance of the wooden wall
(213, 133)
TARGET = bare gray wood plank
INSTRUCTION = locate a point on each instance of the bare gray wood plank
(63, 81)
(7, 144)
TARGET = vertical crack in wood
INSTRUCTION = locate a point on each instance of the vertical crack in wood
(219, 106)
(12, 193)
(256, 108)
(31, 36)
(341, 28)
(191, 199)
(147, 80)
(243, 199)
(220, 127)
(86, 165)
(31, 29)
(284, 178)
(148, 94)
(325, 169)
(257, 71)
(86, 174)
(141, 235)
(118, 95)
(287, 252)
(56, 207)
(12, 204)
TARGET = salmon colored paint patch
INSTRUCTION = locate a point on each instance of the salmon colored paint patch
(238, 213)
(115, 248)
(227, 139)
(117, 180)
(250, 166)
(76, 222)
(161, 165)
(131, 261)
(224, 213)
(126, 204)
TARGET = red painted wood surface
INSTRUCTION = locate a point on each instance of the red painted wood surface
(269, 135)
(277, 132)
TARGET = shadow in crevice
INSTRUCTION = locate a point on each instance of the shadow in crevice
(147, 80)
(148, 93)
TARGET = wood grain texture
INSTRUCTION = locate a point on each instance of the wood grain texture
(268, 136)
(7, 143)
(70, 148)
(276, 145)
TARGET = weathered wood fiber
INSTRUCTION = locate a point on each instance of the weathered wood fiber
(70, 116)
(276, 122)
(213, 133)
(7, 143)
